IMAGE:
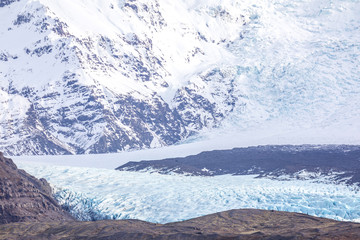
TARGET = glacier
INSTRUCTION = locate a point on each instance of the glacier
(94, 194)
(109, 76)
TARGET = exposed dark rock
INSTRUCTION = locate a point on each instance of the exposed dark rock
(23, 18)
(234, 224)
(342, 162)
(4, 3)
(23, 198)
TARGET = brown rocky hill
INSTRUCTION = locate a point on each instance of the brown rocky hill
(246, 224)
(23, 198)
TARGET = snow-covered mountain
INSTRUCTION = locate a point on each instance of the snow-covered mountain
(96, 76)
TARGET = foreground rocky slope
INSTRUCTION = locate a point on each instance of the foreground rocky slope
(23, 198)
(234, 224)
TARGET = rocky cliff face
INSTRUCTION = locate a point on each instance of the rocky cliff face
(23, 198)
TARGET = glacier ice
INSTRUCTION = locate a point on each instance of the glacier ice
(93, 194)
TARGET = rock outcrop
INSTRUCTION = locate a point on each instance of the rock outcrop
(23, 198)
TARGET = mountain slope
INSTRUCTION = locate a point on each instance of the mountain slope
(94, 76)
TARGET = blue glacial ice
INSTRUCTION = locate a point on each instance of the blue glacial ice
(297, 65)
(94, 194)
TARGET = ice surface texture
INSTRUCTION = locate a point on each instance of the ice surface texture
(92, 194)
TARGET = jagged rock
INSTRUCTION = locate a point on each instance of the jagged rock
(23, 198)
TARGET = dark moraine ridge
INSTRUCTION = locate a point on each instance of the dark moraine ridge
(340, 161)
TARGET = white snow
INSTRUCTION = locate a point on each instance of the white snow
(108, 194)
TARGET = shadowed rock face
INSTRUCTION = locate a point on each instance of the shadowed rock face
(24, 198)
(234, 224)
